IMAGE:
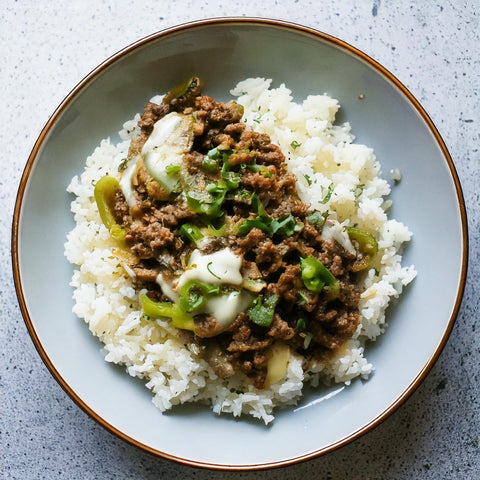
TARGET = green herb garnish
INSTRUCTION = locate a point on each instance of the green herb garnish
(247, 225)
(328, 195)
(262, 310)
(303, 296)
(210, 165)
(317, 219)
(286, 227)
(123, 164)
(301, 324)
(257, 206)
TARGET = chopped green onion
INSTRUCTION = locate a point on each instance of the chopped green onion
(328, 195)
(123, 164)
(303, 296)
(215, 187)
(214, 154)
(205, 203)
(241, 195)
(263, 169)
(286, 227)
(295, 144)
(257, 206)
(210, 165)
(232, 180)
(247, 225)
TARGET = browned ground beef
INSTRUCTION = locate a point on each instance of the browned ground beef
(260, 167)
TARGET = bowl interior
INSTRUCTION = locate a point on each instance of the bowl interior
(222, 53)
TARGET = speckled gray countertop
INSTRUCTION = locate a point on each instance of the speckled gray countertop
(431, 46)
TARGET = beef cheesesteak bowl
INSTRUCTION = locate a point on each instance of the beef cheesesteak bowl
(239, 209)
(231, 252)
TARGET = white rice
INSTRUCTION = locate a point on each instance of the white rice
(323, 154)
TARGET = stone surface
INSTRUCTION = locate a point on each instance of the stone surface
(431, 46)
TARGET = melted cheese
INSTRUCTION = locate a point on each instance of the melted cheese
(126, 183)
(167, 288)
(225, 308)
(171, 138)
(219, 268)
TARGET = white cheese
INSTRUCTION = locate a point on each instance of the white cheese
(126, 183)
(167, 288)
(171, 138)
(225, 308)
(218, 268)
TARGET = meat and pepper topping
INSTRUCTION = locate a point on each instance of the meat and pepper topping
(215, 238)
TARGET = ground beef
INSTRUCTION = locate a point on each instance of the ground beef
(121, 210)
(288, 283)
(280, 329)
(170, 215)
(147, 239)
(257, 168)
(218, 360)
(151, 114)
(206, 325)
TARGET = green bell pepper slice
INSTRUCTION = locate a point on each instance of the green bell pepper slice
(182, 89)
(367, 246)
(193, 295)
(191, 232)
(317, 277)
(105, 190)
(179, 318)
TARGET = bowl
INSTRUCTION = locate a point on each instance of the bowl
(384, 115)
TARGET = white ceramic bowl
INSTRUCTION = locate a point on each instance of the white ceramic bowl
(222, 52)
